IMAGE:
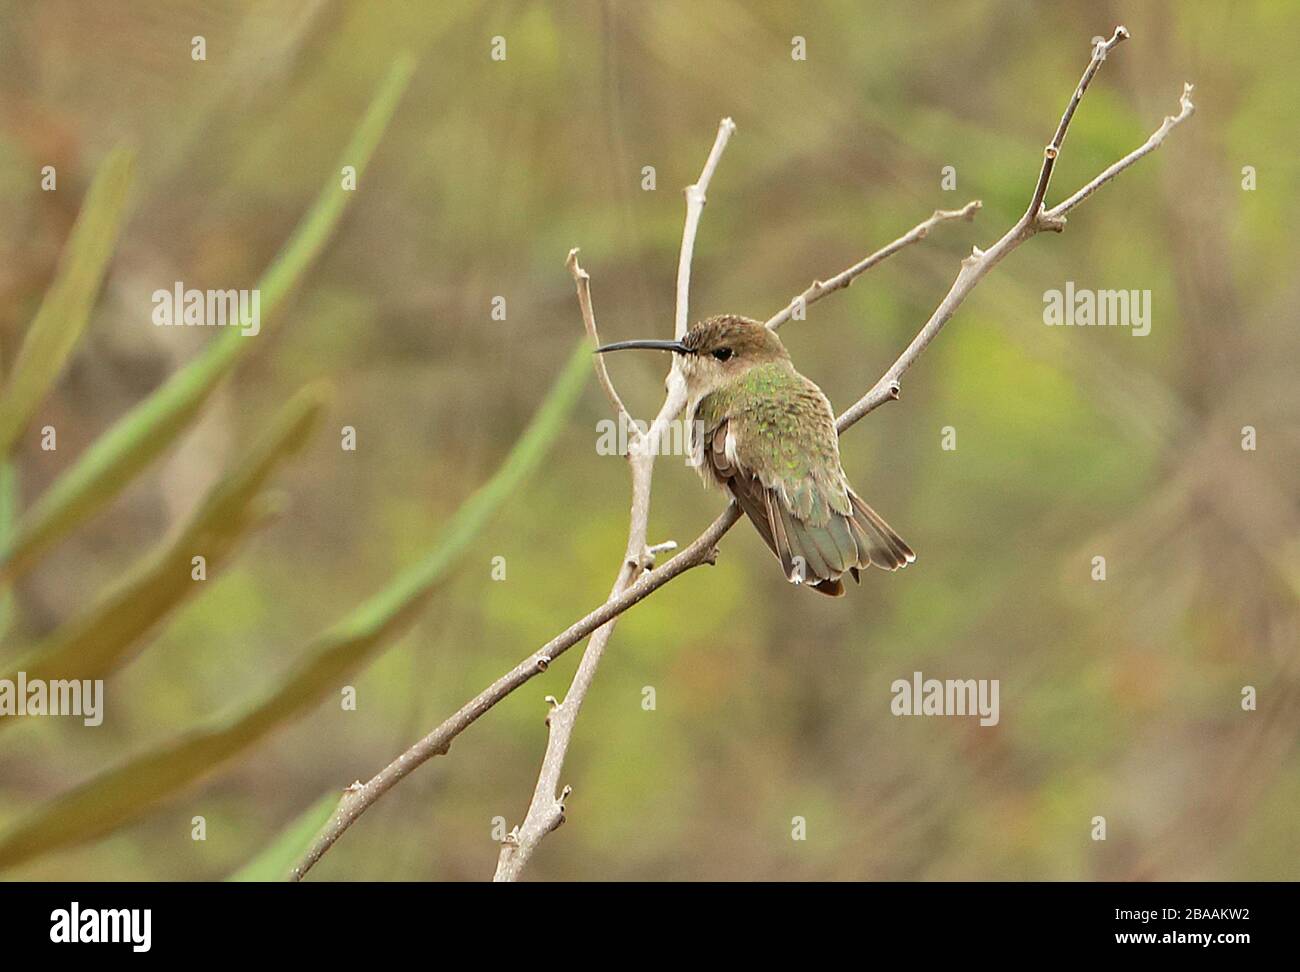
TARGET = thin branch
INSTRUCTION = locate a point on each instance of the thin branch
(703, 549)
(546, 809)
(1186, 108)
(820, 289)
(1101, 48)
(582, 281)
(696, 197)
(1034, 221)
(359, 797)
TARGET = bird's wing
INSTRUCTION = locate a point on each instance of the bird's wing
(750, 494)
(787, 479)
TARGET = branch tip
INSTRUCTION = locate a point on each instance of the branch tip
(571, 261)
(649, 555)
(845, 278)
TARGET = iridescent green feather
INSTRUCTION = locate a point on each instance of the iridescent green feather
(785, 435)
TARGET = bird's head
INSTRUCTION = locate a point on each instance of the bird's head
(716, 349)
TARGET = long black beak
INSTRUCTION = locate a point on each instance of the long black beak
(676, 347)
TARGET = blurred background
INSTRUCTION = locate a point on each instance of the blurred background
(1119, 699)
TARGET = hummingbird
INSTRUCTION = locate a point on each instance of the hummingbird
(764, 432)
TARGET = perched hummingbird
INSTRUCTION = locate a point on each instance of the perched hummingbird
(769, 437)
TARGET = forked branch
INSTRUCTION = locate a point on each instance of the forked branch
(636, 580)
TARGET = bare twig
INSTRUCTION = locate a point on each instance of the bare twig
(1150, 145)
(1034, 221)
(636, 582)
(820, 288)
(696, 197)
(546, 809)
(583, 283)
(359, 797)
(1101, 47)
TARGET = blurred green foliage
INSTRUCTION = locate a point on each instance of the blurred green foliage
(95, 643)
(109, 800)
(66, 308)
(142, 434)
(1119, 699)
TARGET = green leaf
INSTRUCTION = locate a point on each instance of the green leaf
(107, 802)
(273, 862)
(147, 430)
(111, 632)
(64, 312)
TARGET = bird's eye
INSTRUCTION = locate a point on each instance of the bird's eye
(722, 354)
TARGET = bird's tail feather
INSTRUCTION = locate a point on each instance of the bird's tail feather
(877, 541)
(820, 555)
